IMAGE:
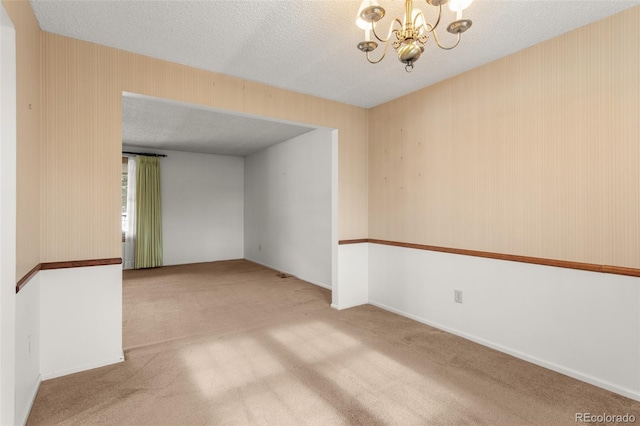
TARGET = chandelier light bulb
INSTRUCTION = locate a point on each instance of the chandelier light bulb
(459, 5)
(361, 23)
(418, 18)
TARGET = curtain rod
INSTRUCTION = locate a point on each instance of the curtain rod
(146, 154)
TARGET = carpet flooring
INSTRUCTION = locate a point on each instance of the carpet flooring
(230, 343)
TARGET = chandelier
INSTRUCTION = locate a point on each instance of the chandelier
(408, 36)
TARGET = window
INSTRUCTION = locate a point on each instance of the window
(124, 184)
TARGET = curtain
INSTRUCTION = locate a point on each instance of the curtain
(148, 213)
(130, 232)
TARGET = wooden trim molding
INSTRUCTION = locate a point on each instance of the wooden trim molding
(608, 269)
(362, 240)
(61, 265)
(81, 263)
(24, 280)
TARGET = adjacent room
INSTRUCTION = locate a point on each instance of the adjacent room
(319, 212)
(235, 186)
(230, 187)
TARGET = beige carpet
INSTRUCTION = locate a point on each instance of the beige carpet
(230, 343)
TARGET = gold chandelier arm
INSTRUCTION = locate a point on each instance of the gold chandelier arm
(417, 27)
(435, 37)
(373, 29)
(384, 52)
(430, 27)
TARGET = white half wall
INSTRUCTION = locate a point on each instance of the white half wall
(80, 319)
(7, 217)
(27, 347)
(582, 324)
(202, 206)
(289, 206)
(353, 276)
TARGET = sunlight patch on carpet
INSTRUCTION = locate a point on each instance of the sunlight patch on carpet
(220, 366)
(314, 341)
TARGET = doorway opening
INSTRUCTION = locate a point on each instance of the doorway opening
(236, 186)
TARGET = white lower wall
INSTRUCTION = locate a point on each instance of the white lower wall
(7, 217)
(352, 288)
(583, 324)
(80, 319)
(202, 206)
(289, 206)
(27, 347)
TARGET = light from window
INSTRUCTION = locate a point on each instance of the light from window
(125, 184)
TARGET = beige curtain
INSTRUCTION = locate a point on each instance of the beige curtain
(148, 213)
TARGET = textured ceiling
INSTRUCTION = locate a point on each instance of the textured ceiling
(160, 124)
(309, 46)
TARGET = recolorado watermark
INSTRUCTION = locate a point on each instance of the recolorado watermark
(604, 418)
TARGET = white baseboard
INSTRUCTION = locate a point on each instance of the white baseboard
(32, 399)
(54, 374)
(328, 287)
(340, 308)
(629, 393)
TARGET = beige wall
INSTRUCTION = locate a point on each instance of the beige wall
(539, 156)
(82, 136)
(535, 154)
(29, 108)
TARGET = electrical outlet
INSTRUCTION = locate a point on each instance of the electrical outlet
(29, 344)
(259, 247)
(457, 296)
